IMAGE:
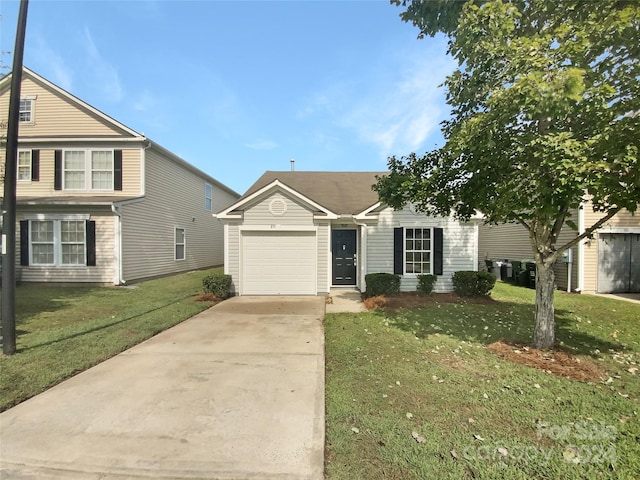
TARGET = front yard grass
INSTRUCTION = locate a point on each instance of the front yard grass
(64, 330)
(417, 394)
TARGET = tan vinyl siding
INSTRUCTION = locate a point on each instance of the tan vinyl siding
(102, 273)
(623, 219)
(458, 242)
(259, 212)
(233, 246)
(44, 187)
(175, 197)
(55, 116)
(510, 241)
(324, 235)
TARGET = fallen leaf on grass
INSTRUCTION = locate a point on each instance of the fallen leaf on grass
(454, 454)
(409, 415)
(478, 437)
(355, 430)
(418, 438)
(503, 451)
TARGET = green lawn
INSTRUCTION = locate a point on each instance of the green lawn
(417, 394)
(64, 330)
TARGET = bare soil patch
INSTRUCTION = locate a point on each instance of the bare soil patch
(556, 361)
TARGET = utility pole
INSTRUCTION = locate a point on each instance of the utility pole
(9, 202)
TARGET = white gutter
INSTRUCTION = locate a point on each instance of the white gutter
(362, 256)
(59, 140)
(143, 167)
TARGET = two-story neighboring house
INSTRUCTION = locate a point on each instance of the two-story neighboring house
(99, 202)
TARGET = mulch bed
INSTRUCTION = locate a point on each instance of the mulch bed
(556, 361)
(413, 300)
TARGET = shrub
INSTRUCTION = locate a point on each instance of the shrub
(473, 284)
(218, 284)
(425, 284)
(382, 284)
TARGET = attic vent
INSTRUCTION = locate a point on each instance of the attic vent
(278, 207)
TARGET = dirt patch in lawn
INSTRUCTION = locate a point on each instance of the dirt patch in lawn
(556, 361)
(413, 300)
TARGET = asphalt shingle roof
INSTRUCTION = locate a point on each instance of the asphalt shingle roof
(340, 192)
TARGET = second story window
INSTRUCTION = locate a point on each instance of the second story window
(24, 166)
(26, 110)
(87, 170)
(208, 197)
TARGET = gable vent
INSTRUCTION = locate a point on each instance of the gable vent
(278, 207)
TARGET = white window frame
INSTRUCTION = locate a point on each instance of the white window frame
(423, 251)
(27, 100)
(29, 157)
(57, 242)
(88, 170)
(208, 197)
(176, 244)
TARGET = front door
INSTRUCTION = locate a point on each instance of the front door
(344, 257)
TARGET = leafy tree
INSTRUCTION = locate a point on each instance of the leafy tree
(545, 107)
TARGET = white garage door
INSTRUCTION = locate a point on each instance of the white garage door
(278, 263)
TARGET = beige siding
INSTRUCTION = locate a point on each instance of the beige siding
(103, 272)
(459, 246)
(259, 212)
(233, 247)
(44, 187)
(324, 270)
(174, 198)
(623, 219)
(57, 116)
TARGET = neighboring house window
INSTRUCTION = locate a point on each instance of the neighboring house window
(24, 166)
(26, 110)
(87, 170)
(417, 250)
(208, 197)
(180, 244)
(58, 242)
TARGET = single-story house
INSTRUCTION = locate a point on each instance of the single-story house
(298, 232)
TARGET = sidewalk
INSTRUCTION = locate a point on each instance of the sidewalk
(345, 301)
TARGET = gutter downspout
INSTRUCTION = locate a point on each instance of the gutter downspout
(117, 247)
(580, 263)
(143, 167)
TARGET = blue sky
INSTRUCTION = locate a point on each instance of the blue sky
(240, 87)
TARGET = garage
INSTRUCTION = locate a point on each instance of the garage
(619, 263)
(278, 263)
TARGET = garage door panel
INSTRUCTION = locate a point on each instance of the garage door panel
(278, 263)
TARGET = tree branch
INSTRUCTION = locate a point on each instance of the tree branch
(590, 230)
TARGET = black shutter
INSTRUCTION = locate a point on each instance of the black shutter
(117, 169)
(398, 250)
(57, 166)
(24, 242)
(437, 251)
(91, 243)
(35, 165)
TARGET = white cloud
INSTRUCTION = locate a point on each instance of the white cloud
(103, 73)
(395, 110)
(49, 63)
(262, 145)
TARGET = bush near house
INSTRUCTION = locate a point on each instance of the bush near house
(473, 284)
(218, 284)
(382, 284)
(426, 283)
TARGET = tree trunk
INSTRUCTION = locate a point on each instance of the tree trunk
(544, 332)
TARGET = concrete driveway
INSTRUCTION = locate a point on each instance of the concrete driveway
(235, 392)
